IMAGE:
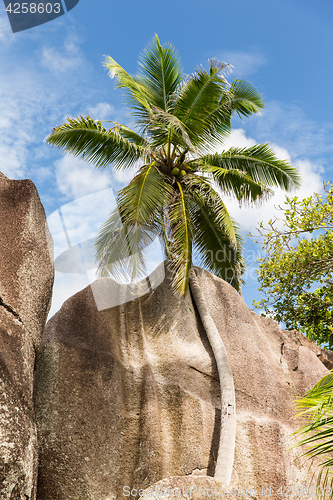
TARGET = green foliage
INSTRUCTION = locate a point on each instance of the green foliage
(178, 120)
(296, 273)
(316, 409)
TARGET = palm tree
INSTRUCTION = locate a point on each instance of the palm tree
(175, 192)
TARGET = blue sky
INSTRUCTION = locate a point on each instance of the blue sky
(55, 70)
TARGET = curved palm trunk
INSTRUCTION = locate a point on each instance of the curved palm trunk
(225, 457)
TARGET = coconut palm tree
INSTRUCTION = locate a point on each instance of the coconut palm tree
(176, 191)
(175, 194)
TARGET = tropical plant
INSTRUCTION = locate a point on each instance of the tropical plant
(179, 120)
(296, 270)
(316, 435)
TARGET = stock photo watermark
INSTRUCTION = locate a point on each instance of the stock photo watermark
(219, 493)
(28, 14)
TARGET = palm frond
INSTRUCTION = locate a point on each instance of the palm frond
(212, 226)
(138, 95)
(160, 67)
(258, 162)
(316, 407)
(197, 104)
(120, 249)
(235, 183)
(144, 197)
(241, 97)
(244, 98)
(180, 221)
(132, 136)
(122, 240)
(88, 139)
(199, 185)
(162, 124)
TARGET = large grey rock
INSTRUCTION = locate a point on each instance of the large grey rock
(26, 278)
(130, 395)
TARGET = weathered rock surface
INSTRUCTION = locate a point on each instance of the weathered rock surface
(130, 395)
(26, 278)
(325, 355)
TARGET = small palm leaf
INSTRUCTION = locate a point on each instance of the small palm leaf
(138, 95)
(165, 126)
(91, 141)
(316, 407)
(123, 238)
(132, 136)
(237, 183)
(201, 186)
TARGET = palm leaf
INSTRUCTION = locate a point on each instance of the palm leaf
(120, 249)
(138, 96)
(258, 162)
(316, 407)
(236, 183)
(201, 186)
(217, 252)
(122, 239)
(245, 99)
(132, 136)
(181, 225)
(241, 97)
(199, 98)
(166, 128)
(144, 197)
(162, 72)
(91, 141)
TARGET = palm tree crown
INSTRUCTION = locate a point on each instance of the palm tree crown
(174, 194)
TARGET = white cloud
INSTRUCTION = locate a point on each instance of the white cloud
(124, 176)
(31, 102)
(13, 156)
(101, 111)
(68, 58)
(6, 34)
(79, 220)
(248, 217)
(289, 125)
(244, 63)
(238, 139)
(75, 178)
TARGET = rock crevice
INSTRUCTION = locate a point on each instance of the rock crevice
(11, 310)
